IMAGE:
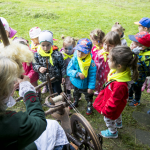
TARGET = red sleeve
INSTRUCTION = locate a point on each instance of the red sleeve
(117, 100)
(32, 74)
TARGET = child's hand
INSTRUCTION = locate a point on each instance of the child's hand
(90, 91)
(63, 80)
(42, 69)
(82, 77)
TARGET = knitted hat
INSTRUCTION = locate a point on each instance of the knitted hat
(5, 24)
(34, 32)
(46, 36)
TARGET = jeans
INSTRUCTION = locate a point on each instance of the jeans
(136, 90)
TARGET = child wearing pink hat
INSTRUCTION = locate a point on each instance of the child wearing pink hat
(9, 31)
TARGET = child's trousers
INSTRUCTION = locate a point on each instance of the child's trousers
(136, 90)
(111, 124)
(77, 94)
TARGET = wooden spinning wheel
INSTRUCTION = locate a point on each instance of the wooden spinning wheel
(83, 131)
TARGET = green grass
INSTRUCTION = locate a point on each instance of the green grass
(77, 19)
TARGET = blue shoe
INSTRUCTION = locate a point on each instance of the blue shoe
(108, 134)
(134, 103)
(119, 125)
(130, 99)
(148, 112)
(89, 111)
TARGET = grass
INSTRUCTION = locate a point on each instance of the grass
(77, 19)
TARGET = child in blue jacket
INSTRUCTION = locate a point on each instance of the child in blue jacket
(82, 72)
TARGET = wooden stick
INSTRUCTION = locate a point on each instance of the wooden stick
(3, 35)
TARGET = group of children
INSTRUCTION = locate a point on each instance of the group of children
(110, 69)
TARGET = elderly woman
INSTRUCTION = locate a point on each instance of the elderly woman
(25, 130)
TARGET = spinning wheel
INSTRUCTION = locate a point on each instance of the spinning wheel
(83, 131)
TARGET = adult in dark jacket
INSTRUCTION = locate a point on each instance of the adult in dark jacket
(25, 130)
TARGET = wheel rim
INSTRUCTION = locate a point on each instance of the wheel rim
(83, 131)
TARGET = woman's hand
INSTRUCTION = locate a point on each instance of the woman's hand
(82, 77)
(42, 69)
(16, 86)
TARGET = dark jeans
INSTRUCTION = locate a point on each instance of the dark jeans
(56, 86)
(77, 94)
(68, 91)
(136, 90)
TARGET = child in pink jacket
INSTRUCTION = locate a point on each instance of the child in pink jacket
(96, 37)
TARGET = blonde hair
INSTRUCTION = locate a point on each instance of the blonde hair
(98, 36)
(118, 28)
(8, 75)
(69, 40)
(18, 52)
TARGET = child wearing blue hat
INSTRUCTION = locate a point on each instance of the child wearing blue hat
(82, 72)
(144, 24)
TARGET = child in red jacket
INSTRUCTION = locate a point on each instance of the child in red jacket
(113, 98)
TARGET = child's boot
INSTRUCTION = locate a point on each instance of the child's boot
(144, 85)
(134, 103)
(69, 96)
(75, 104)
(44, 90)
(89, 108)
(148, 88)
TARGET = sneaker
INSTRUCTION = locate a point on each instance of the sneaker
(134, 103)
(119, 125)
(89, 111)
(44, 90)
(130, 99)
(148, 90)
(143, 87)
(75, 104)
(96, 93)
(108, 134)
(148, 112)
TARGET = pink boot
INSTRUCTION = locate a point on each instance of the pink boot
(144, 85)
(148, 88)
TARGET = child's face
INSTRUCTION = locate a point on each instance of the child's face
(111, 63)
(68, 49)
(141, 28)
(134, 45)
(108, 47)
(81, 54)
(35, 40)
(93, 41)
(46, 46)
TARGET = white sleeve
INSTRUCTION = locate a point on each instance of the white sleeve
(25, 87)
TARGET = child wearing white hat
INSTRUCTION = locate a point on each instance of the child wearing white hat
(49, 61)
(34, 34)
